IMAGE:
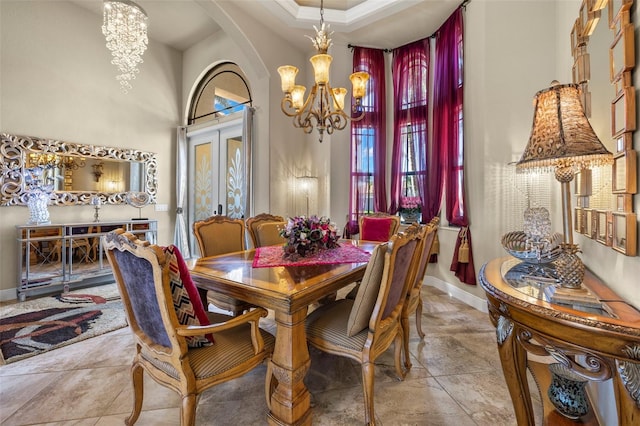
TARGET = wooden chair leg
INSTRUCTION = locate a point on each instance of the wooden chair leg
(419, 319)
(398, 349)
(137, 378)
(188, 410)
(368, 375)
(404, 322)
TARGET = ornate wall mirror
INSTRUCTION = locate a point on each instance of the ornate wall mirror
(77, 171)
(603, 47)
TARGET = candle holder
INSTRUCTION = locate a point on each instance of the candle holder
(96, 202)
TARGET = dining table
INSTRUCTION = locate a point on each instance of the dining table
(287, 291)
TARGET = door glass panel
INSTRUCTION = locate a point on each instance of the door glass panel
(203, 182)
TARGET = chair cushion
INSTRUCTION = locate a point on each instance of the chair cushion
(367, 292)
(186, 299)
(233, 348)
(269, 233)
(376, 229)
(327, 324)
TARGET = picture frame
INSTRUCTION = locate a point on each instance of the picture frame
(624, 202)
(582, 183)
(624, 142)
(590, 223)
(617, 10)
(589, 17)
(601, 227)
(623, 113)
(579, 224)
(624, 172)
(624, 233)
(621, 52)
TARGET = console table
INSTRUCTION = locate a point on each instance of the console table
(61, 256)
(564, 344)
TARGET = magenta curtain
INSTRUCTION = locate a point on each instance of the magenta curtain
(448, 132)
(410, 69)
(370, 132)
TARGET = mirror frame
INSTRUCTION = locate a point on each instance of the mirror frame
(13, 152)
(604, 229)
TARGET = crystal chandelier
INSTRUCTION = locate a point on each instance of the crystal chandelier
(125, 28)
(324, 106)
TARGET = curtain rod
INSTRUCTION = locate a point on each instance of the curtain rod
(462, 5)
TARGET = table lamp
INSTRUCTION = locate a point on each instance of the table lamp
(563, 141)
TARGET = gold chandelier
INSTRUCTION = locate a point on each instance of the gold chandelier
(125, 29)
(324, 106)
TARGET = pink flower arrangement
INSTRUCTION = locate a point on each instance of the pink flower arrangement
(307, 235)
(410, 204)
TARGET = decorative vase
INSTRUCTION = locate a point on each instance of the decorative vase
(410, 217)
(567, 392)
(38, 203)
(569, 267)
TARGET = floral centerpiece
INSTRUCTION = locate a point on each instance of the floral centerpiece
(307, 235)
(410, 208)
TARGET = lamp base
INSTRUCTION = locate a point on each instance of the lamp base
(569, 267)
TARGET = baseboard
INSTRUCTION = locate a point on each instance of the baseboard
(9, 294)
(453, 291)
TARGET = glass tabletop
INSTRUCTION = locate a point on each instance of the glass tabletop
(540, 281)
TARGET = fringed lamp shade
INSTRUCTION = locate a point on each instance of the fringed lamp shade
(562, 140)
(561, 135)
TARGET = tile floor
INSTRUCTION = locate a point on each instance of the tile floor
(456, 379)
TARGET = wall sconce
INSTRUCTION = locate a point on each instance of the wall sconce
(97, 170)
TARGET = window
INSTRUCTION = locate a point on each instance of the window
(411, 84)
(222, 91)
(368, 139)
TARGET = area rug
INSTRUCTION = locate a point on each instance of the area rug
(39, 325)
(270, 256)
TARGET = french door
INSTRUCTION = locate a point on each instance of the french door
(216, 172)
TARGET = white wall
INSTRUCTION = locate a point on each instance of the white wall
(57, 82)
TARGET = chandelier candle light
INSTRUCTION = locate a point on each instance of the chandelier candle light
(562, 140)
(125, 28)
(324, 105)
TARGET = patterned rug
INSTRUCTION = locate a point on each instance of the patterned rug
(39, 325)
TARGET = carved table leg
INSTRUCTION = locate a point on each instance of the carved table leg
(513, 358)
(290, 402)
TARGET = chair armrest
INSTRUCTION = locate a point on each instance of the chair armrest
(252, 317)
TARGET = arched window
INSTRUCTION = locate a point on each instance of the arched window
(222, 91)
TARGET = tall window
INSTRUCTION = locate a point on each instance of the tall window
(368, 140)
(411, 109)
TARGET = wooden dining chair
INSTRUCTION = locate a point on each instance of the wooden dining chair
(375, 227)
(413, 303)
(264, 229)
(220, 235)
(179, 344)
(378, 226)
(364, 328)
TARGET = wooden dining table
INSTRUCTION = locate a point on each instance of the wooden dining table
(288, 291)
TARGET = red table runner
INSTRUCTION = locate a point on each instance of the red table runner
(267, 257)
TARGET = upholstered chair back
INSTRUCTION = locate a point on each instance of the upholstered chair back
(269, 234)
(378, 226)
(219, 235)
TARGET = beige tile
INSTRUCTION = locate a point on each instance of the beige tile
(88, 383)
(75, 395)
(484, 396)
